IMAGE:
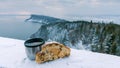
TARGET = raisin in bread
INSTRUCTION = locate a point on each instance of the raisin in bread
(52, 51)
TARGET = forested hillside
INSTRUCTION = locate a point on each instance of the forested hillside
(95, 36)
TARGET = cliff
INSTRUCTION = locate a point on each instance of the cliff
(97, 37)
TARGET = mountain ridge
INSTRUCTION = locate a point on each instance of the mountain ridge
(42, 19)
(97, 37)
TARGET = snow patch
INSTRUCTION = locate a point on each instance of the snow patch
(12, 55)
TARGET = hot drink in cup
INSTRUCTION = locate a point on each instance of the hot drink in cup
(32, 46)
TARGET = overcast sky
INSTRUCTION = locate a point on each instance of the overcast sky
(60, 7)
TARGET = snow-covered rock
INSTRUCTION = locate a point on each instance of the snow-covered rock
(41, 19)
(12, 55)
(97, 37)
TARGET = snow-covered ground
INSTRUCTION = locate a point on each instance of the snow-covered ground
(12, 55)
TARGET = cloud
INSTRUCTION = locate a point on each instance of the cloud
(109, 1)
(60, 8)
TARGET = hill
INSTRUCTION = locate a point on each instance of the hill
(95, 36)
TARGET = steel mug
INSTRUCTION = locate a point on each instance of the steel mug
(32, 46)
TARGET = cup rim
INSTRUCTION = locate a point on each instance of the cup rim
(34, 40)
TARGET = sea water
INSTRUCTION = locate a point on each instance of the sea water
(14, 26)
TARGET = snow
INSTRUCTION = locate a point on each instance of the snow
(12, 55)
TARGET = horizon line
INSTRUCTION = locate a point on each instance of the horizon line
(48, 15)
(15, 14)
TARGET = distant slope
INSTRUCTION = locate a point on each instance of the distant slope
(43, 19)
(12, 55)
(98, 37)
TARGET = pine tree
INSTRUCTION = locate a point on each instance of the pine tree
(113, 48)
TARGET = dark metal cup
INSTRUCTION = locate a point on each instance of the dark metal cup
(32, 46)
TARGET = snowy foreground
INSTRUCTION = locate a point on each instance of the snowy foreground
(12, 55)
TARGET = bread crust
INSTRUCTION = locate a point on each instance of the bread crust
(52, 51)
